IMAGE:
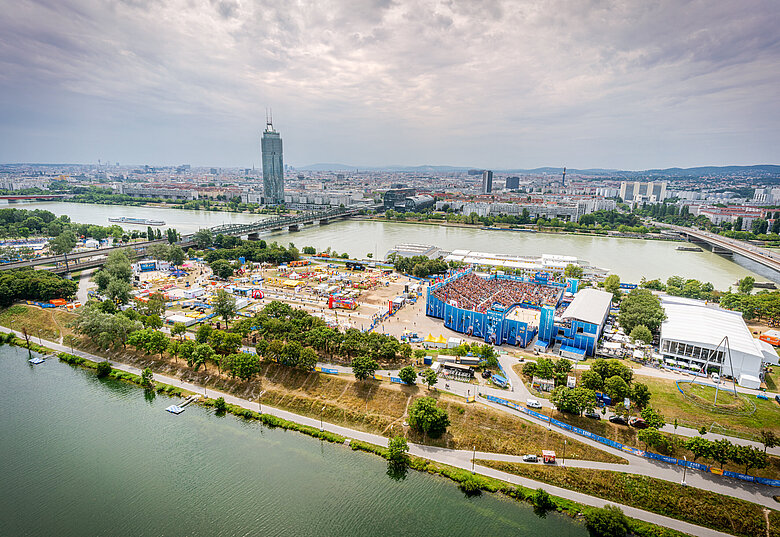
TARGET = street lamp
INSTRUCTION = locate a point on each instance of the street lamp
(685, 467)
(473, 456)
(260, 403)
(321, 413)
(563, 463)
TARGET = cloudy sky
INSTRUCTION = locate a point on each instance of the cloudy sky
(488, 83)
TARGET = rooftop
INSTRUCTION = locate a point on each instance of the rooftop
(589, 305)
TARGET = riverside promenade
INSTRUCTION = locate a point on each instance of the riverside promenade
(463, 459)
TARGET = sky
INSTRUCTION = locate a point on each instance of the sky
(488, 83)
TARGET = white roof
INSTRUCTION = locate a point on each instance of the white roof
(589, 305)
(692, 321)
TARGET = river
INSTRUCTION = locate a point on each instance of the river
(84, 456)
(631, 259)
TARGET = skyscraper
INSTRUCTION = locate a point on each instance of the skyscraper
(487, 182)
(273, 165)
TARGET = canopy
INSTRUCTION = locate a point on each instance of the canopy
(441, 339)
(429, 339)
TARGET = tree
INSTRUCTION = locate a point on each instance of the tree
(721, 451)
(589, 379)
(224, 305)
(396, 450)
(573, 400)
(612, 285)
(147, 378)
(642, 334)
(364, 367)
(309, 250)
(408, 374)
(220, 406)
(221, 268)
(700, 447)
(242, 365)
(653, 418)
(430, 378)
(203, 333)
(157, 343)
(769, 439)
(178, 330)
(641, 307)
(119, 291)
(640, 394)
(158, 251)
(307, 360)
(749, 457)
(651, 437)
(427, 417)
(745, 285)
(738, 224)
(63, 244)
(201, 355)
(573, 271)
(616, 388)
(176, 255)
(610, 368)
(203, 238)
(118, 266)
(607, 522)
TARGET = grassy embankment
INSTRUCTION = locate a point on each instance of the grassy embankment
(49, 323)
(717, 511)
(374, 407)
(670, 402)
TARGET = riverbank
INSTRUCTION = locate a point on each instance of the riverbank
(458, 460)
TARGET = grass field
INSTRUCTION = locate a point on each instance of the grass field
(693, 505)
(667, 399)
(49, 323)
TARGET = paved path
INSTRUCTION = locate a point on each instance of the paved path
(462, 459)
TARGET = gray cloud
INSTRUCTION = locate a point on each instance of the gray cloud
(492, 83)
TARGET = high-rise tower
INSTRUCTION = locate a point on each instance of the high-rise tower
(273, 165)
(487, 182)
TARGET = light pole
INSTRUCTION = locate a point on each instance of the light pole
(563, 463)
(321, 413)
(685, 467)
(259, 403)
(473, 457)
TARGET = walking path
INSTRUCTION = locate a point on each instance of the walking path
(463, 459)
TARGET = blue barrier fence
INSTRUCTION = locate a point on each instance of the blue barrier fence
(629, 449)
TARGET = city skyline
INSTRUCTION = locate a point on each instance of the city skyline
(507, 85)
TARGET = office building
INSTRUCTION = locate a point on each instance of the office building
(487, 182)
(512, 183)
(638, 191)
(273, 166)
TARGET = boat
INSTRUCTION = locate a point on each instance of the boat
(689, 249)
(137, 221)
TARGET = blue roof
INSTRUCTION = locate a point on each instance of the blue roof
(499, 378)
(575, 350)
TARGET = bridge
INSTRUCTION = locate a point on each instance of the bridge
(59, 264)
(96, 258)
(724, 245)
(27, 197)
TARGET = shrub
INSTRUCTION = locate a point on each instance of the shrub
(607, 522)
(103, 369)
(542, 500)
(220, 406)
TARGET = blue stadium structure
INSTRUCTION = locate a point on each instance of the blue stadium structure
(500, 308)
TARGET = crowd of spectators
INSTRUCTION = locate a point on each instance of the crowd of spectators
(474, 293)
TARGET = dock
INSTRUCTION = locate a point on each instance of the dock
(178, 409)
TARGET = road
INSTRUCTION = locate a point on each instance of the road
(462, 459)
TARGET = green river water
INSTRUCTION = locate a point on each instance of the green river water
(80, 456)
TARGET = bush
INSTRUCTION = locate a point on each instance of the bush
(542, 500)
(470, 486)
(220, 406)
(103, 369)
(607, 522)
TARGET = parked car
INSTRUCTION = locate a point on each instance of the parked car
(533, 403)
(593, 415)
(777, 398)
(715, 378)
(530, 458)
(619, 420)
(639, 423)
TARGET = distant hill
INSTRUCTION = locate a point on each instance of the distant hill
(759, 169)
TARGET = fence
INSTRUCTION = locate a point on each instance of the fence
(629, 449)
